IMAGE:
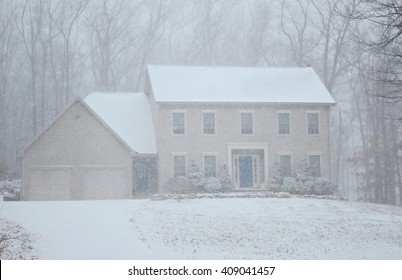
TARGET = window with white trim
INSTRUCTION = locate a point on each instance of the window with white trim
(179, 166)
(314, 164)
(246, 123)
(208, 119)
(283, 123)
(313, 123)
(285, 165)
(179, 122)
(210, 166)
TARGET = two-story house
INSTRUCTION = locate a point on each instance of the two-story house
(244, 119)
(247, 120)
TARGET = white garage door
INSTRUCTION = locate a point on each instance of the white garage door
(50, 183)
(104, 182)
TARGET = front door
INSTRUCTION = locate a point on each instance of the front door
(246, 171)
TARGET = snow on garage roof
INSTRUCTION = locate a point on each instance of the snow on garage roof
(129, 115)
(237, 84)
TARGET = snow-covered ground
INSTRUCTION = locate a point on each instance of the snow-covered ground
(220, 228)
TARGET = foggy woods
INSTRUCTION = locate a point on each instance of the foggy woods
(52, 51)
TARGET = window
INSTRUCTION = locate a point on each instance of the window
(247, 123)
(314, 164)
(285, 165)
(283, 123)
(210, 166)
(313, 123)
(208, 119)
(179, 166)
(178, 122)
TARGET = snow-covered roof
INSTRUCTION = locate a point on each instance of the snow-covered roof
(237, 84)
(128, 115)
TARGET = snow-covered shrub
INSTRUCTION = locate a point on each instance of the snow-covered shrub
(180, 185)
(308, 187)
(11, 189)
(302, 172)
(224, 180)
(15, 242)
(212, 185)
(324, 186)
(196, 177)
(292, 186)
(302, 183)
(276, 175)
(316, 186)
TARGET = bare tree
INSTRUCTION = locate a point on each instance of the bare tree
(8, 47)
(65, 14)
(258, 47)
(378, 98)
(210, 20)
(109, 40)
(335, 33)
(29, 24)
(157, 12)
(294, 23)
(122, 37)
(384, 17)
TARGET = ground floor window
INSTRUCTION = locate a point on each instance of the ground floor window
(179, 166)
(285, 165)
(210, 166)
(314, 164)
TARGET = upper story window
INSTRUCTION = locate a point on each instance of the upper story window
(208, 120)
(179, 166)
(210, 166)
(283, 123)
(246, 123)
(179, 122)
(314, 164)
(313, 123)
(285, 165)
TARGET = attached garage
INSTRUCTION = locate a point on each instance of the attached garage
(87, 152)
(98, 182)
(50, 183)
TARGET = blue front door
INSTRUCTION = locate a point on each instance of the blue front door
(246, 171)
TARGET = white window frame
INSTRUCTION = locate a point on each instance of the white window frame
(185, 164)
(318, 112)
(203, 123)
(315, 154)
(291, 160)
(290, 122)
(185, 122)
(252, 124)
(216, 163)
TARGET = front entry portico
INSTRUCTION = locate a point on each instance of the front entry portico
(246, 165)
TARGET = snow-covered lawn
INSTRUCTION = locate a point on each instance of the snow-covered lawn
(225, 228)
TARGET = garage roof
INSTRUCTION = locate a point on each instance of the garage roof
(237, 84)
(128, 115)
